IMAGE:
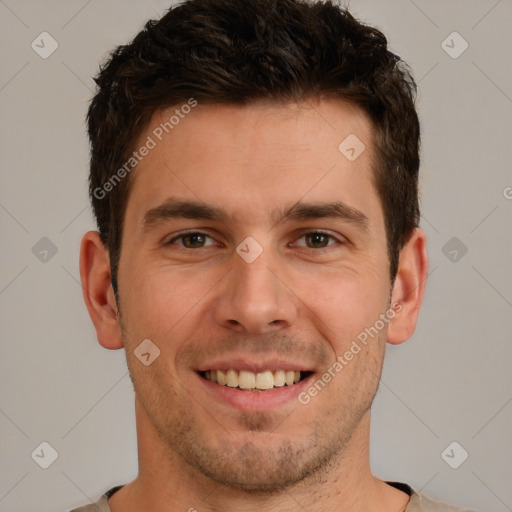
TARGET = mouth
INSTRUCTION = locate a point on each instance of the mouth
(254, 385)
(254, 382)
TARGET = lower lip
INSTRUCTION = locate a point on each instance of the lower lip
(256, 401)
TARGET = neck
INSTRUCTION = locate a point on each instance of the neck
(167, 482)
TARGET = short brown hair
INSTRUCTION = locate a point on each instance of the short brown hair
(238, 52)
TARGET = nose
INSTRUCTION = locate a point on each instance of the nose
(256, 297)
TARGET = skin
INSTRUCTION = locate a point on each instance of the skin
(304, 300)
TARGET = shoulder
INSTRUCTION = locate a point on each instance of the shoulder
(420, 502)
(101, 505)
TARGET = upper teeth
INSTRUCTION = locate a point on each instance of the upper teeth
(250, 380)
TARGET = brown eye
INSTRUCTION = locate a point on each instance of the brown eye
(317, 240)
(191, 240)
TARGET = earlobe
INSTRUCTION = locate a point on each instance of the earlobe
(97, 290)
(409, 288)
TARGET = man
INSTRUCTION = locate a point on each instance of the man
(254, 172)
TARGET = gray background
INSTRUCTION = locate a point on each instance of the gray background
(450, 382)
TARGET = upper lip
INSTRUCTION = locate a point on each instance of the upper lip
(253, 365)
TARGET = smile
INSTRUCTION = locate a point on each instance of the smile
(254, 381)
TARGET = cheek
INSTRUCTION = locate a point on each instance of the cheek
(344, 303)
(162, 300)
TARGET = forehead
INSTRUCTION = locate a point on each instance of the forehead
(253, 159)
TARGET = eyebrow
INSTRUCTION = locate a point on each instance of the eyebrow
(334, 209)
(188, 209)
(182, 208)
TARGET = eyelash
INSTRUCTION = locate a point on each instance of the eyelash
(313, 232)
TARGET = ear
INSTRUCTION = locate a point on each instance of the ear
(409, 288)
(97, 289)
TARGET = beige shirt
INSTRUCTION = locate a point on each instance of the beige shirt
(417, 503)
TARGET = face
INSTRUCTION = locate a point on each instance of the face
(251, 245)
